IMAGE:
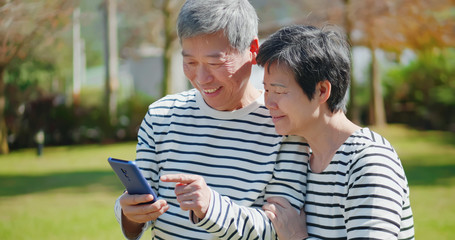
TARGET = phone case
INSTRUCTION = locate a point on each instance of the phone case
(131, 177)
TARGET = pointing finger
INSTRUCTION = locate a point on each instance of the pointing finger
(179, 178)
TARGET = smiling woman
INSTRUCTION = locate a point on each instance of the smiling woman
(281, 94)
(356, 185)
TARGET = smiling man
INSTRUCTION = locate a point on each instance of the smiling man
(212, 153)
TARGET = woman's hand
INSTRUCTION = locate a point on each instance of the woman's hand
(288, 222)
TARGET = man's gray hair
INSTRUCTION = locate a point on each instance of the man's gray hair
(237, 19)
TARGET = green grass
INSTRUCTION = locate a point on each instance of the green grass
(69, 192)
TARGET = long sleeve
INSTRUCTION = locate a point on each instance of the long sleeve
(227, 220)
(376, 195)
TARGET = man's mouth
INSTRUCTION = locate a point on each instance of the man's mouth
(211, 90)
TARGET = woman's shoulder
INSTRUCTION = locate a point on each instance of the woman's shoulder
(370, 147)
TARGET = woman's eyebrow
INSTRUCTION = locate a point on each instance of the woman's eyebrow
(275, 85)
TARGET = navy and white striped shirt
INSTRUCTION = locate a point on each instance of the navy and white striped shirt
(362, 194)
(239, 154)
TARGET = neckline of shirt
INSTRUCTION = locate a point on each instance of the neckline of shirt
(229, 114)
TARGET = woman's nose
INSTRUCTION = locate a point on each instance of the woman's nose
(269, 102)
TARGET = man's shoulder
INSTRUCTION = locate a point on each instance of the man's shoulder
(176, 99)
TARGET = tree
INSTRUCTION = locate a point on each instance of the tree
(111, 59)
(389, 25)
(396, 25)
(365, 17)
(153, 23)
(23, 26)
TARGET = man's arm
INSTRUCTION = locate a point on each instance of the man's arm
(225, 219)
(216, 214)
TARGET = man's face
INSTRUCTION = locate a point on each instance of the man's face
(217, 70)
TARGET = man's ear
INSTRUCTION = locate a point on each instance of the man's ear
(254, 48)
(323, 90)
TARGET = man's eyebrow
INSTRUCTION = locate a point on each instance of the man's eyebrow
(213, 55)
(277, 85)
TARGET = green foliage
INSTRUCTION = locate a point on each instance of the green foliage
(422, 93)
(30, 73)
(30, 109)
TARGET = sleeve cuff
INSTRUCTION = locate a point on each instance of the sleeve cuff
(118, 215)
(200, 222)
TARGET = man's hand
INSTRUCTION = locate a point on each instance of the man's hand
(288, 222)
(141, 213)
(192, 192)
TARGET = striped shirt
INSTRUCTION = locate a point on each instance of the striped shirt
(239, 154)
(362, 194)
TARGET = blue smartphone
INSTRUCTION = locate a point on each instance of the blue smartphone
(131, 177)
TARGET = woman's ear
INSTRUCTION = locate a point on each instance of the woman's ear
(323, 90)
(254, 48)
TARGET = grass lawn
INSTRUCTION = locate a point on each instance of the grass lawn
(69, 192)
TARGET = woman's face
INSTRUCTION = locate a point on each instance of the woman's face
(291, 110)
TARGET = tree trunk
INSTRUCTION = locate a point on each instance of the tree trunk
(4, 148)
(353, 108)
(111, 60)
(168, 50)
(377, 111)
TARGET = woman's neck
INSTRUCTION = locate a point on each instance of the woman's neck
(326, 138)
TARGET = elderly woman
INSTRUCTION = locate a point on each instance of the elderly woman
(356, 185)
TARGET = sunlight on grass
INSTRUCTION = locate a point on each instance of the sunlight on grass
(59, 215)
(433, 211)
(69, 192)
(66, 158)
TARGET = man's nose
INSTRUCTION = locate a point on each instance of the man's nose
(203, 75)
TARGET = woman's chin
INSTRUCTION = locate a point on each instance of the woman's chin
(281, 131)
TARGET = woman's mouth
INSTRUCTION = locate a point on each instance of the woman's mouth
(277, 118)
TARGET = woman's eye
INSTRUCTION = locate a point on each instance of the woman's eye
(280, 92)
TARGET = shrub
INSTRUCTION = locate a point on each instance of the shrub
(422, 94)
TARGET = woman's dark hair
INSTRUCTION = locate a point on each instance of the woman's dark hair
(313, 55)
